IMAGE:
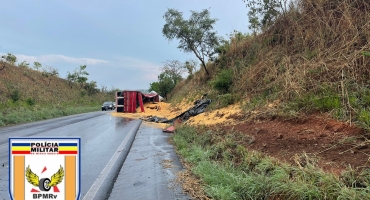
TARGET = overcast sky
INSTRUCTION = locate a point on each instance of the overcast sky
(120, 41)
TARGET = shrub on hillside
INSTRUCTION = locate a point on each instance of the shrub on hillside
(24, 64)
(30, 101)
(15, 96)
(225, 100)
(223, 81)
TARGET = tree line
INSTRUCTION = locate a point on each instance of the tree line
(172, 73)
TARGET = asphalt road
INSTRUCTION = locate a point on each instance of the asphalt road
(149, 171)
(102, 169)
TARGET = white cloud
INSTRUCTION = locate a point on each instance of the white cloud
(149, 71)
(55, 58)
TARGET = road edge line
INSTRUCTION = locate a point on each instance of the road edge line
(120, 153)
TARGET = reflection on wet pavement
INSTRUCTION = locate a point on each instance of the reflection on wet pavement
(149, 171)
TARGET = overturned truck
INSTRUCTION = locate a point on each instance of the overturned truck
(128, 100)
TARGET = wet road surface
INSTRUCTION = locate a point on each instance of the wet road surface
(149, 171)
(105, 142)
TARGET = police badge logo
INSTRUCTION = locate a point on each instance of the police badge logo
(44, 168)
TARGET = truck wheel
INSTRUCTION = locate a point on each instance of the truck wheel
(44, 184)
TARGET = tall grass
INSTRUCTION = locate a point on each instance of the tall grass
(315, 56)
(243, 174)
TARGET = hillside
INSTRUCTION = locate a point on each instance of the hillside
(315, 57)
(28, 95)
(302, 87)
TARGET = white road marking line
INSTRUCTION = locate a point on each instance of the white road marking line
(50, 130)
(55, 129)
(99, 181)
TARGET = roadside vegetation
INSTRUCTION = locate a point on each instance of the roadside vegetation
(229, 171)
(306, 56)
(302, 57)
(32, 93)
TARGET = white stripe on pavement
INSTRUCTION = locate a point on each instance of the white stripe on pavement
(99, 181)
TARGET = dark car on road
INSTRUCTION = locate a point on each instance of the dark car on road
(108, 105)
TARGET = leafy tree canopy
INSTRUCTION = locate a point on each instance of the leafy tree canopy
(196, 34)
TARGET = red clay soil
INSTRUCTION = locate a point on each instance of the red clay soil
(335, 145)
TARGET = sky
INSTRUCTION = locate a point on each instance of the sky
(120, 41)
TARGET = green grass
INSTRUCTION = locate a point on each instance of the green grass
(24, 114)
(26, 96)
(230, 171)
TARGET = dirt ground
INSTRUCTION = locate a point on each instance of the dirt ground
(334, 145)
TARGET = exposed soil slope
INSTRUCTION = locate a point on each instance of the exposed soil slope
(332, 145)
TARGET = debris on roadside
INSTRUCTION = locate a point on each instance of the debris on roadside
(154, 107)
(199, 107)
(169, 129)
(190, 184)
(155, 119)
(167, 164)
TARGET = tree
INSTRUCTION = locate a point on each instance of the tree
(154, 86)
(37, 66)
(171, 74)
(165, 84)
(195, 34)
(10, 58)
(174, 69)
(71, 78)
(24, 64)
(91, 88)
(191, 66)
(254, 23)
(81, 75)
(48, 72)
(78, 76)
(263, 13)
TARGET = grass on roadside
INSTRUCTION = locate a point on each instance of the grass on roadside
(230, 171)
(23, 115)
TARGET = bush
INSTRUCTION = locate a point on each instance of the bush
(327, 103)
(225, 100)
(223, 81)
(364, 118)
(15, 95)
(30, 101)
(83, 93)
